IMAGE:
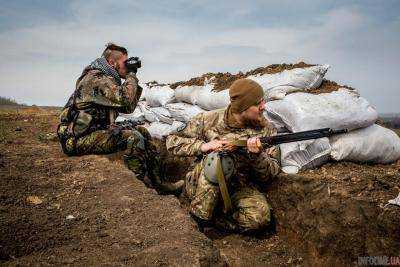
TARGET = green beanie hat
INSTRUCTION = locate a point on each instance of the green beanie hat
(244, 93)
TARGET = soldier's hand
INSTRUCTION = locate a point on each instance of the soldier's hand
(272, 152)
(213, 145)
(254, 145)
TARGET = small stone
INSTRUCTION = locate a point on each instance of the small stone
(70, 217)
(35, 200)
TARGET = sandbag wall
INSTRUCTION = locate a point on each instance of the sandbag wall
(290, 108)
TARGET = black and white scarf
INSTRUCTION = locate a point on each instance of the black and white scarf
(102, 65)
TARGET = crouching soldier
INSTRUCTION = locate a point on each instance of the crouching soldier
(88, 119)
(229, 180)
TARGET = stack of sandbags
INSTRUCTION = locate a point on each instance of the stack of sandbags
(342, 109)
(160, 105)
(275, 86)
(158, 112)
(290, 108)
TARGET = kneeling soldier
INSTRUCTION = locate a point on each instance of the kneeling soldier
(88, 119)
(229, 178)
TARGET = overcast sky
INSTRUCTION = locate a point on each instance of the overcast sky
(45, 44)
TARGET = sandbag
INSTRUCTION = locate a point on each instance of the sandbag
(303, 155)
(162, 115)
(136, 116)
(187, 94)
(182, 111)
(147, 113)
(144, 90)
(374, 144)
(276, 86)
(276, 123)
(160, 130)
(211, 100)
(341, 109)
(159, 96)
(156, 114)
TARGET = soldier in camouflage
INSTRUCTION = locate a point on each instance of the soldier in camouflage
(211, 131)
(88, 119)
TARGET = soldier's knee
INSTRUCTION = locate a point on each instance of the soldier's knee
(211, 168)
(144, 132)
(205, 199)
(252, 214)
(136, 140)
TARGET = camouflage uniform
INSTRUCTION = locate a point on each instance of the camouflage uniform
(87, 121)
(250, 210)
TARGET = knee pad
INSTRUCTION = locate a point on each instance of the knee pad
(210, 167)
(136, 140)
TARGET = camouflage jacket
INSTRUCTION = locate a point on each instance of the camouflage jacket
(212, 125)
(97, 100)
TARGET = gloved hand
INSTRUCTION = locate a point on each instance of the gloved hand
(133, 64)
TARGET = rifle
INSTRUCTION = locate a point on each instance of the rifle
(269, 141)
(128, 124)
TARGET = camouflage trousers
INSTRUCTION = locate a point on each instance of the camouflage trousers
(140, 153)
(250, 209)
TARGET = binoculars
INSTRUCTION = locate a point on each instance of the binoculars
(133, 63)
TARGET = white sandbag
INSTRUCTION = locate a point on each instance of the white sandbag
(374, 144)
(144, 90)
(159, 96)
(211, 100)
(160, 130)
(182, 111)
(187, 94)
(147, 113)
(276, 123)
(156, 114)
(341, 109)
(136, 116)
(162, 115)
(303, 155)
(276, 86)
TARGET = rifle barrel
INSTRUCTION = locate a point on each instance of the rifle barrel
(292, 137)
(300, 136)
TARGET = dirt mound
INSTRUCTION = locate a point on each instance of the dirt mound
(328, 86)
(154, 83)
(222, 81)
(337, 212)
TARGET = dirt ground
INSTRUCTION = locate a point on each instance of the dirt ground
(91, 210)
